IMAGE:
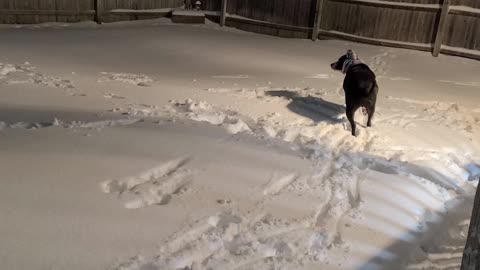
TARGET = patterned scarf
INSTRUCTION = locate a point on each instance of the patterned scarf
(352, 60)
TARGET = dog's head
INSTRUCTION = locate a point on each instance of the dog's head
(344, 61)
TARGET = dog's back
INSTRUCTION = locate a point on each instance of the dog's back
(359, 81)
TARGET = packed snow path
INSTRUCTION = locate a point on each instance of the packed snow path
(157, 146)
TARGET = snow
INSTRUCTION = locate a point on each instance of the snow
(136, 79)
(184, 12)
(199, 147)
(5, 70)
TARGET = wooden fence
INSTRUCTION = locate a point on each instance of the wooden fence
(39, 11)
(440, 26)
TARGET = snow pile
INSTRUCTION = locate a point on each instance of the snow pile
(258, 240)
(31, 126)
(96, 125)
(136, 79)
(26, 73)
(156, 186)
(303, 132)
(318, 76)
(50, 81)
(358, 181)
(231, 76)
(6, 69)
(25, 125)
(352, 185)
(372, 182)
(234, 126)
(203, 112)
(102, 124)
(451, 115)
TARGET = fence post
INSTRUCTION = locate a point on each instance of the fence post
(317, 19)
(441, 28)
(223, 16)
(98, 11)
(470, 259)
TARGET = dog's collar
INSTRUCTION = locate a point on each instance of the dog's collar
(350, 63)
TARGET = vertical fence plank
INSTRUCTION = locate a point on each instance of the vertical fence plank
(8, 4)
(441, 27)
(318, 19)
(470, 259)
(224, 12)
(98, 11)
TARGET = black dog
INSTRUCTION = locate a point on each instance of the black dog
(360, 86)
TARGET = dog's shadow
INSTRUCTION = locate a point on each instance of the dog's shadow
(317, 109)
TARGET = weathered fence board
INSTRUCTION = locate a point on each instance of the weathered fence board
(390, 4)
(125, 5)
(223, 13)
(38, 11)
(214, 5)
(415, 1)
(379, 22)
(27, 5)
(317, 18)
(463, 31)
(468, 3)
(7, 5)
(399, 23)
(440, 27)
(47, 5)
(287, 12)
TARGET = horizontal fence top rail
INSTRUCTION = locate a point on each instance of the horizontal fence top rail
(464, 10)
(161, 11)
(377, 41)
(454, 9)
(399, 5)
(45, 12)
(458, 10)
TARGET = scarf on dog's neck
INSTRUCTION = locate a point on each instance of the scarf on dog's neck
(352, 60)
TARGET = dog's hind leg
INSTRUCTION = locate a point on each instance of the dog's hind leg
(350, 116)
(371, 108)
(370, 111)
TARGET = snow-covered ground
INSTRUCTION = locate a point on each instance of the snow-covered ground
(149, 145)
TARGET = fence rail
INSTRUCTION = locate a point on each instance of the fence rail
(45, 12)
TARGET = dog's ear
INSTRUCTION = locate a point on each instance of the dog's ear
(351, 55)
